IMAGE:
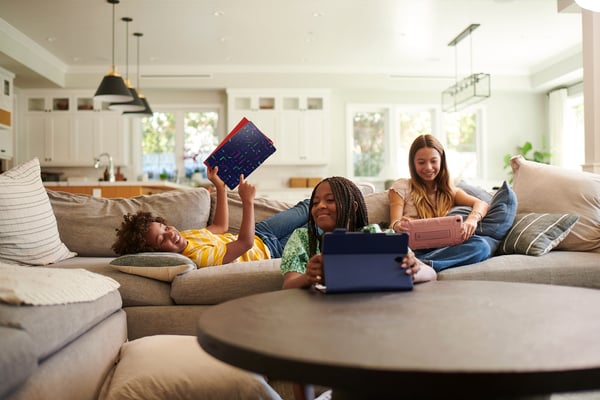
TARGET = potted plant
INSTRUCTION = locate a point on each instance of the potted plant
(537, 156)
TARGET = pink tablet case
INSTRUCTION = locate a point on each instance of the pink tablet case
(431, 233)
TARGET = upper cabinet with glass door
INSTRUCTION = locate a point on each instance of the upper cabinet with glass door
(297, 120)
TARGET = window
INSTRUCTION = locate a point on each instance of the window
(574, 134)
(175, 143)
(382, 135)
(461, 143)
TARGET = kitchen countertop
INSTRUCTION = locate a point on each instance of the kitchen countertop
(155, 184)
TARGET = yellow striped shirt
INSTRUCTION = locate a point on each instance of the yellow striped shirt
(207, 249)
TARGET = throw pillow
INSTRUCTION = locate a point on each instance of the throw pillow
(87, 224)
(476, 191)
(535, 234)
(176, 367)
(159, 265)
(543, 188)
(500, 215)
(28, 229)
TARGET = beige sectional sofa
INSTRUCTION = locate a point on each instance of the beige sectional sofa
(172, 304)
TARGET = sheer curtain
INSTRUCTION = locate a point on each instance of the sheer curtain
(557, 114)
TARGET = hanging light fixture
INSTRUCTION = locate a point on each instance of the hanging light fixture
(135, 104)
(113, 88)
(592, 5)
(147, 111)
(470, 90)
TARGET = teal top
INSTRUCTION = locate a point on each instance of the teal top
(295, 254)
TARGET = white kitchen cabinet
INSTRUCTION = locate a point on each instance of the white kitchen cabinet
(47, 137)
(70, 129)
(296, 120)
(6, 114)
(6, 144)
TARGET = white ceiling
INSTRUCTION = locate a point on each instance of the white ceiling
(186, 38)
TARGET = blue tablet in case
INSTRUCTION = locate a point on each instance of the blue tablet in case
(364, 262)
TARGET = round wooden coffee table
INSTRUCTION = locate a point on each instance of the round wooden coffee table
(445, 339)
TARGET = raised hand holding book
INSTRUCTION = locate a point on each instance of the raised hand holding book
(243, 150)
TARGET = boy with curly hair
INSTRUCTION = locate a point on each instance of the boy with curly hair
(213, 245)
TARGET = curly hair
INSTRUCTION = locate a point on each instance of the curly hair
(347, 196)
(131, 235)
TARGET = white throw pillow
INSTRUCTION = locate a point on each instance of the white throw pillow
(542, 188)
(28, 230)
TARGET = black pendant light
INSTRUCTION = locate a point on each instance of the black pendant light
(147, 111)
(135, 104)
(113, 88)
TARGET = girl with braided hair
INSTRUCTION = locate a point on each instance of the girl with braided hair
(336, 202)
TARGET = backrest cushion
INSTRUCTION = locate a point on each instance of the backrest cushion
(88, 224)
(28, 229)
(263, 209)
(542, 188)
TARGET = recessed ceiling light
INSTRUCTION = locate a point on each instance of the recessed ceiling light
(218, 13)
(317, 14)
(51, 39)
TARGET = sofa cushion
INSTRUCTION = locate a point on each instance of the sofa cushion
(52, 327)
(214, 285)
(536, 234)
(87, 224)
(543, 188)
(263, 208)
(135, 290)
(568, 268)
(17, 358)
(378, 208)
(176, 367)
(28, 229)
(159, 265)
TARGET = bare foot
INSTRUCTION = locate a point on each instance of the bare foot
(425, 273)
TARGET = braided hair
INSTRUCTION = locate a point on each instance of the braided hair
(351, 209)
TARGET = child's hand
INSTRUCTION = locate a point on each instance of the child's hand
(246, 190)
(213, 177)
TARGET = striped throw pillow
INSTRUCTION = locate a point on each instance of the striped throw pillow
(535, 234)
(28, 230)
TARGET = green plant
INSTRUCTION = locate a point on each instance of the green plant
(538, 156)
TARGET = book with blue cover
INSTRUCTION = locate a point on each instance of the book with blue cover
(243, 150)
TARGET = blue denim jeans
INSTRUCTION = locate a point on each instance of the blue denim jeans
(276, 230)
(476, 249)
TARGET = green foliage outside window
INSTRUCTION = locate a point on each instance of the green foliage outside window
(158, 133)
(369, 131)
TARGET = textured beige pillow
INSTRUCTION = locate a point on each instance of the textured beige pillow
(542, 188)
(88, 224)
(176, 367)
(378, 207)
(28, 231)
(158, 265)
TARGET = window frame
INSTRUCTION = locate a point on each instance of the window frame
(391, 168)
(179, 110)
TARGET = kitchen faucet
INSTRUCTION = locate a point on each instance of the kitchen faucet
(111, 167)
